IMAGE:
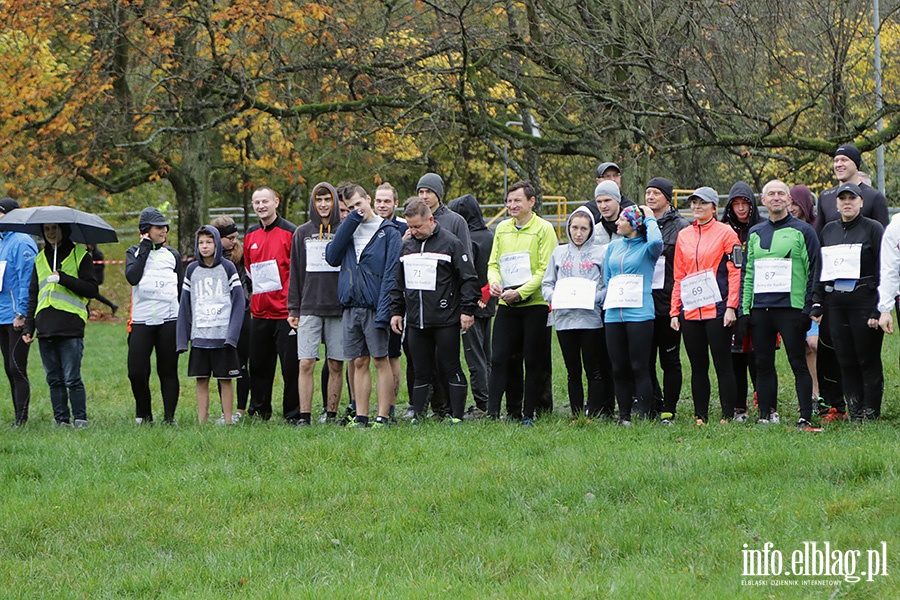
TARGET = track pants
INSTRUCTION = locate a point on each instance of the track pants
(701, 338)
(272, 340)
(443, 343)
(15, 363)
(521, 334)
(142, 341)
(581, 348)
(666, 345)
(767, 323)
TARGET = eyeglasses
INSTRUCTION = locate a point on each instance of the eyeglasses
(231, 238)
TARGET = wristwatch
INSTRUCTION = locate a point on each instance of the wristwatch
(20, 316)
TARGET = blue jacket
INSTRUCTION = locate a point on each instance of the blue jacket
(366, 284)
(634, 256)
(18, 251)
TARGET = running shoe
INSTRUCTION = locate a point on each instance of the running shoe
(381, 422)
(834, 415)
(740, 417)
(528, 422)
(623, 422)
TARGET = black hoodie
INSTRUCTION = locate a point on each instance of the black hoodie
(741, 190)
(482, 241)
(314, 292)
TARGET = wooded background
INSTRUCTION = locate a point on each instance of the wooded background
(116, 105)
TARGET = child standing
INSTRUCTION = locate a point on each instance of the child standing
(573, 284)
(210, 316)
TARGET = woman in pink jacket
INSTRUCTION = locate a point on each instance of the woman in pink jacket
(705, 301)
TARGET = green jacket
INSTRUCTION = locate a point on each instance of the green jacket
(538, 239)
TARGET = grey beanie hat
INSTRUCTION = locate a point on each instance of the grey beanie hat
(149, 217)
(706, 194)
(433, 182)
(608, 188)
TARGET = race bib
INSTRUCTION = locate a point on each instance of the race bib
(625, 291)
(772, 275)
(2, 272)
(420, 273)
(699, 290)
(840, 262)
(574, 292)
(659, 274)
(315, 257)
(515, 269)
(209, 312)
(159, 285)
(265, 277)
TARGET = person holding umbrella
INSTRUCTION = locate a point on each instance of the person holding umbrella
(62, 282)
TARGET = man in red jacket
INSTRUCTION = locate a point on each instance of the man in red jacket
(267, 255)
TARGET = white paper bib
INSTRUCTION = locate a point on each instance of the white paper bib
(841, 262)
(699, 290)
(420, 273)
(574, 292)
(515, 269)
(160, 284)
(772, 275)
(265, 277)
(315, 257)
(659, 274)
(625, 291)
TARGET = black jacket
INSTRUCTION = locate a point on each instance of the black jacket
(874, 206)
(868, 233)
(482, 241)
(456, 288)
(669, 224)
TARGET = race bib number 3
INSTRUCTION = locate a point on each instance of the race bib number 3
(625, 291)
(315, 257)
(574, 292)
(265, 277)
(699, 290)
(420, 273)
(515, 269)
(772, 275)
(840, 262)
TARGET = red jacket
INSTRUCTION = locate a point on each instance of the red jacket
(263, 244)
(706, 247)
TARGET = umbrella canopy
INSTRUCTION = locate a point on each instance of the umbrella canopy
(86, 228)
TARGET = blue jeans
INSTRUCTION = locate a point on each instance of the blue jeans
(62, 362)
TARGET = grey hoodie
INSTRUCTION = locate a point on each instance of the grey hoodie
(586, 262)
(211, 312)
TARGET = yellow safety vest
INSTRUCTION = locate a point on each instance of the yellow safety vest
(56, 295)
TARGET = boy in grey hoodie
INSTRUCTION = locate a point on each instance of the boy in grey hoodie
(573, 285)
(210, 317)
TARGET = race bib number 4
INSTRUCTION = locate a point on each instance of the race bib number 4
(265, 277)
(315, 257)
(515, 269)
(625, 291)
(420, 273)
(574, 292)
(699, 290)
(772, 275)
(840, 262)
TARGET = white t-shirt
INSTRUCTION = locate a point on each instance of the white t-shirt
(364, 234)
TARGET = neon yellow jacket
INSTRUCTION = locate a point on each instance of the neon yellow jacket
(537, 238)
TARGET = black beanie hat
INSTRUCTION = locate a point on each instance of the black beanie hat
(663, 185)
(851, 152)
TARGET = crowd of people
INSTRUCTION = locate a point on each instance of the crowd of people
(623, 289)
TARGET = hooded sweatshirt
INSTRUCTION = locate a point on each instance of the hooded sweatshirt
(802, 197)
(568, 260)
(482, 241)
(51, 322)
(741, 190)
(313, 287)
(212, 302)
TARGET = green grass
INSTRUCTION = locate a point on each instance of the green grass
(479, 510)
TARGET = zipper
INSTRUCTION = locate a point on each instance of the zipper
(421, 299)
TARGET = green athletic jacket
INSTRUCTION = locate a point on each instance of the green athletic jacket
(788, 238)
(537, 238)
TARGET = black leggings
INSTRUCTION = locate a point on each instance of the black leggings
(701, 338)
(521, 334)
(579, 345)
(443, 343)
(742, 362)
(666, 344)
(629, 350)
(142, 340)
(15, 362)
(828, 367)
(858, 349)
(767, 323)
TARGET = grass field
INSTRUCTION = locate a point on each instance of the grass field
(480, 510)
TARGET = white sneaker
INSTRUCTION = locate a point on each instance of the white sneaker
(740, 418)
(80, 423)
(774, 418)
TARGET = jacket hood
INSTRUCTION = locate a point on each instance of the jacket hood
(334, 219)
(741, 190)
(582, 211)
(215, 234)
(468, 208)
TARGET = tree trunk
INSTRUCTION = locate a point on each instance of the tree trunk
(190, 180)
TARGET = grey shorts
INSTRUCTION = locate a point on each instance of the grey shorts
(314, 330)
(361, 338)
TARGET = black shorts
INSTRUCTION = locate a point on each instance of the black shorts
(221, 363)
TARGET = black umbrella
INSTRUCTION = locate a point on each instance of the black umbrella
(86, 228)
